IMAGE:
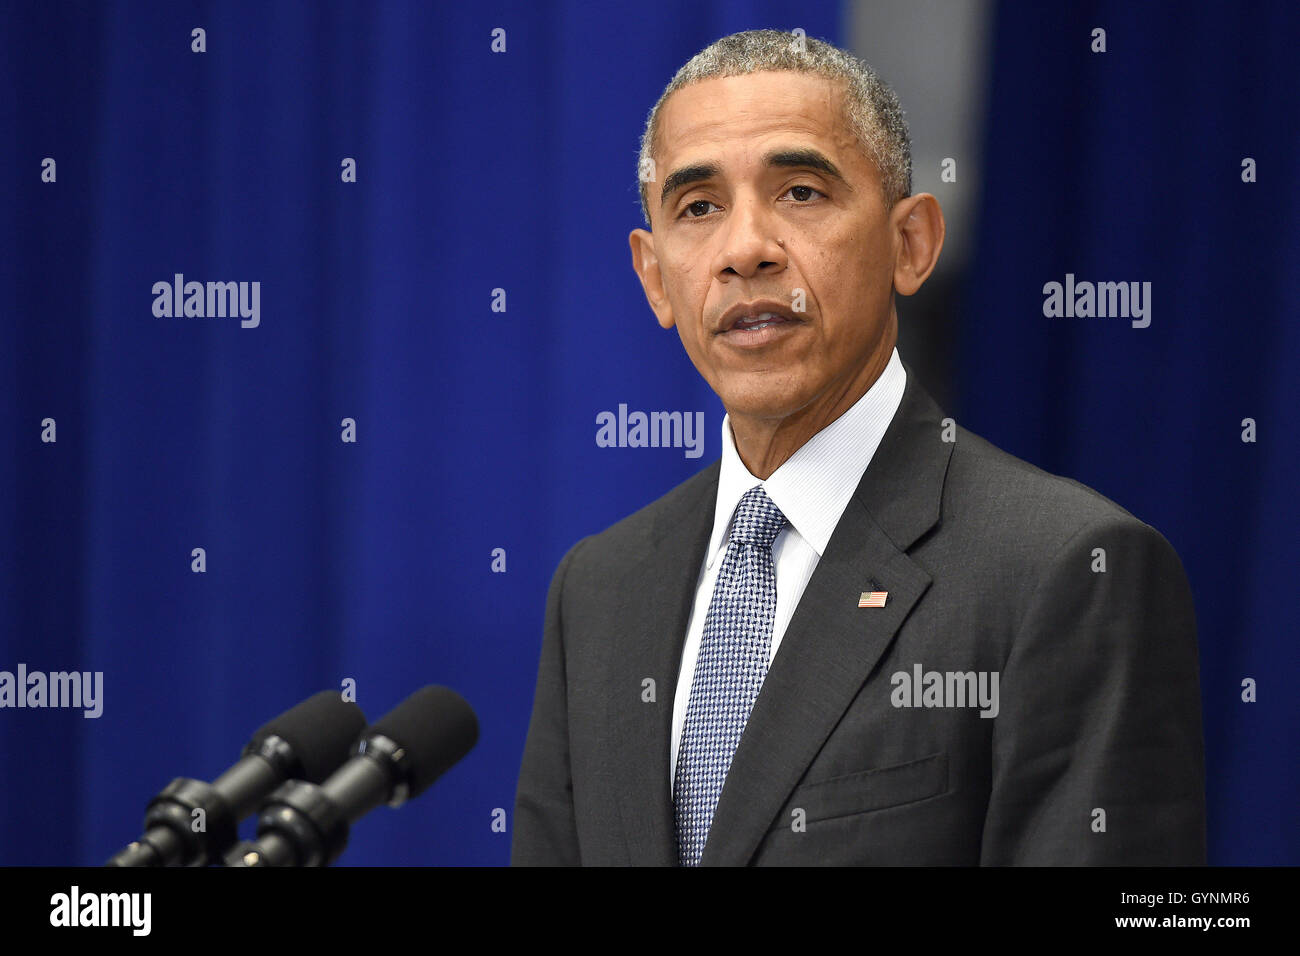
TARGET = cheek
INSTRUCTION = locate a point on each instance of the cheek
(863, 265)
(839, 272)
(689, 298)
(838, 253)
(850, 277)
(685, 281)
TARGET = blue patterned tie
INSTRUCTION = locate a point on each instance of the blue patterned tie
(729, 670)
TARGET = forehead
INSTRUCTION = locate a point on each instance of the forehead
(753, 110)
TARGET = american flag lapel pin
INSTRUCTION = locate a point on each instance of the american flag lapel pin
(873, 599)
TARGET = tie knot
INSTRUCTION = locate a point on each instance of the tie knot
(757, 520)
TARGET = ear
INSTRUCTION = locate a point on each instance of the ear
(646, 264)
(919, 222)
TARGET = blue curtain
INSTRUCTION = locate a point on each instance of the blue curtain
(1127, 166)
(479, 171)
(475, 428)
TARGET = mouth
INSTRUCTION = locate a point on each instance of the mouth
(751, 325)
(748, 318)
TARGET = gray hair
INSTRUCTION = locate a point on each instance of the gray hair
(870, 106)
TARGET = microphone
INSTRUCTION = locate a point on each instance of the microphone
(398, 758)
(309, 741)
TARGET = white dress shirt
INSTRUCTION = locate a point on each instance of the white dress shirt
(812, 489)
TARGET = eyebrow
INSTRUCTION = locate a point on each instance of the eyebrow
(783, 158)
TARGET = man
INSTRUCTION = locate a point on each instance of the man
(865, 636)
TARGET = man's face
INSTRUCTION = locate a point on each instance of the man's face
(755, 224)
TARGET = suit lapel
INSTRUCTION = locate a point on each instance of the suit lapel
(657, 595)
(831, 645)
(829, 649)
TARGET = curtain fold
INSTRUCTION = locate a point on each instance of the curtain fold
(1127, 166)
(324, 560)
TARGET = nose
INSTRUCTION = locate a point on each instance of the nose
(748, 242)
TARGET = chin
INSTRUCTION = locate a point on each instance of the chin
(754, 403)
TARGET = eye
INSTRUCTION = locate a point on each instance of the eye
(802, 194)
(693, 210)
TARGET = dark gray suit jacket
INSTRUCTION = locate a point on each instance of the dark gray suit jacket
(1095, 755)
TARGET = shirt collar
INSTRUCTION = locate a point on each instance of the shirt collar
(813, 487)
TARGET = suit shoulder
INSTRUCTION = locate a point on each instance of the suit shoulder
(1020, 502)
(1026, 532)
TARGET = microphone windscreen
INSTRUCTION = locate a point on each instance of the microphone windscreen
(436, 727)
(321, 732)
